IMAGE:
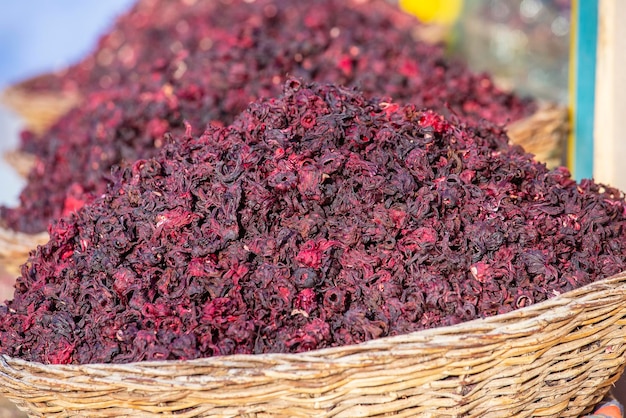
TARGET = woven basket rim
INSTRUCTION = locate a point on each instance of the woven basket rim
(489, 331)
(13, 95)
(545, 110)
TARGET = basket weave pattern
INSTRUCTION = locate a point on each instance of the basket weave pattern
(21, 162)
(16, 246)
(555, 358)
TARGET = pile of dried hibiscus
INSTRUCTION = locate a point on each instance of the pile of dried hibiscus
(317, 219)
(171, 61)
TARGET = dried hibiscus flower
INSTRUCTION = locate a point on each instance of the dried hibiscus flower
(317, 219)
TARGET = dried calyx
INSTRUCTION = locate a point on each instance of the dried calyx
(321, 218)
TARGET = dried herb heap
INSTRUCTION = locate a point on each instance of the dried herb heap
(152, 31)
(209, 65)
(159, 31)
(318, 219)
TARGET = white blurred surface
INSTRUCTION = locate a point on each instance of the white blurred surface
(10, 182)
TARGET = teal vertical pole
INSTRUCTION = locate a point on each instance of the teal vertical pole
(584, 31)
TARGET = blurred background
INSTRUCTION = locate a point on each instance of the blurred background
(38, 36)
(524, 44)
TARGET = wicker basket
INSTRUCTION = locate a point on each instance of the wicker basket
(555, 358)
(15, 247)
(21, 162)
(543, 134)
